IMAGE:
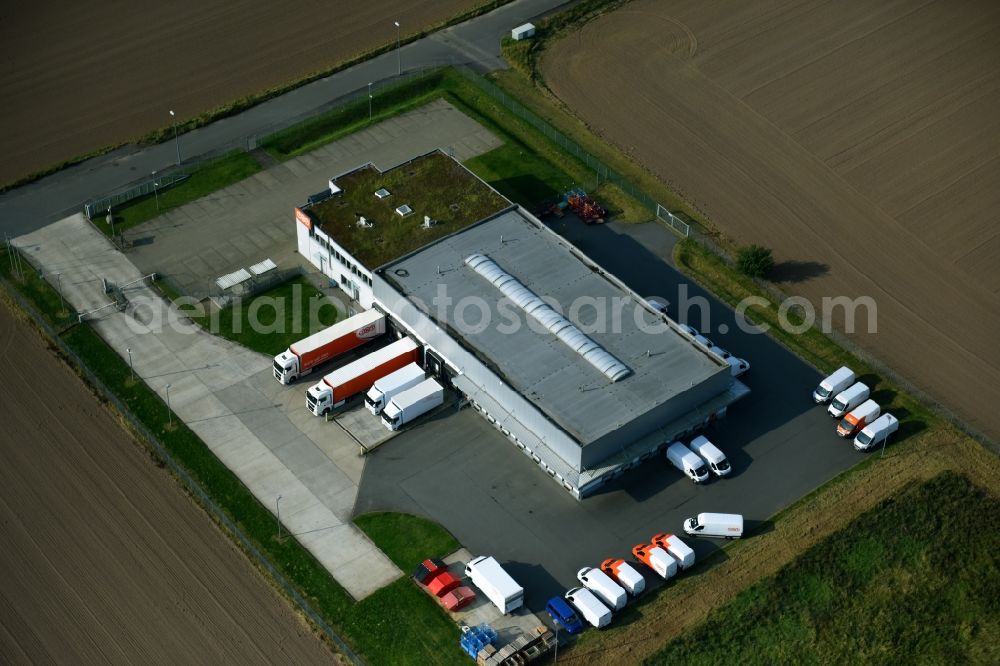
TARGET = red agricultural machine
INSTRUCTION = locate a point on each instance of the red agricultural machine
(584, 207)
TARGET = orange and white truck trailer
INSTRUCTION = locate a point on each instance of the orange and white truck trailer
(307, 354)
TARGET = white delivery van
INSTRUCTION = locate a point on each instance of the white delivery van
(876, 432)
(688, 462)
(487, 574)
(715, 458)
(724, 525)
(848, 399)
(589, 607)
(833, 385)
(858, 418)
(737, 366)
(679, 550)
(601, 584)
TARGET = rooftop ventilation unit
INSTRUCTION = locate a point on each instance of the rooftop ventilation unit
(404, 210)
(558, 325)
(382, 193)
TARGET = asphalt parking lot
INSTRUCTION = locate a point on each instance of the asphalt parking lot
(459, 471)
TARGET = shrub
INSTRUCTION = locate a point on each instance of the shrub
(755, 260)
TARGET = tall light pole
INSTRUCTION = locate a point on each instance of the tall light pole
(277, 510)
(131, 369)
(399, 66)
(156, 195)
(170, 416)
(369, 101)
(177, 143)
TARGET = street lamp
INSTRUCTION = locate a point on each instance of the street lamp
(369, 101)
(277, 509)
(399, 66)
(131, 369)
(170, 417)
(156, 195)
(177, 143)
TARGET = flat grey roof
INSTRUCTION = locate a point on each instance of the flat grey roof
(566, 387)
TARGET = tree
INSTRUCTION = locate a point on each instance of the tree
(755, 260)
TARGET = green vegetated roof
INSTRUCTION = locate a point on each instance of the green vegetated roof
(433, 185)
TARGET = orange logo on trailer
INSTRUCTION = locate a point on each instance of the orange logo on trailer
(303, 219)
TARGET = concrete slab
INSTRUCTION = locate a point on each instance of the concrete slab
(364, 427)
(214, 389)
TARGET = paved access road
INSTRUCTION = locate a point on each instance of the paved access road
(104, 560)
(475, 43)
(499, 502)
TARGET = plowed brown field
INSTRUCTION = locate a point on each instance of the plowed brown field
(77, 76)
(104, 558)
(859, 140)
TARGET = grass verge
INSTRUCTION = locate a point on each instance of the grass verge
(351, 117)
(914, 579)
(407, 540)
(205, 179)
(268, 322)
(397, 624)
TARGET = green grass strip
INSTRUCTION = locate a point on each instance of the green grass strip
(912, 581)
(206, 178)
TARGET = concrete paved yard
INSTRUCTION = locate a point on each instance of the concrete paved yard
(252, 220)
(228, 396)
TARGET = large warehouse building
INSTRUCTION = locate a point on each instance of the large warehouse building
(563, 358)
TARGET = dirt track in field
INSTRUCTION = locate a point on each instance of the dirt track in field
(860, 141)
(77, 76)
(104, 558)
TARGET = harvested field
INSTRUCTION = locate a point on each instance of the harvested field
(105, 559)
(88, 75)
(861, 142)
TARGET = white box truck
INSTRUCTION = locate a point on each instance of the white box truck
(307, 354)
(715, 458)
(724, 525)
(625, 575)
(384, 389)
(589, 607)
(656, 558)
(411, 403)
(687, 462)
(600, 583)
(679, 550)
(833, 385)
(487, 574)
(848, 399)
(876, 432)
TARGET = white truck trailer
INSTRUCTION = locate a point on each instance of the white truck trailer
(384, 389)
(412, 403)
(487, 574)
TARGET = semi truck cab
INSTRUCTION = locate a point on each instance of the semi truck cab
(286, 367)
(318, 399)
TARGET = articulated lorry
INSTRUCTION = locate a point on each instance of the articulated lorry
(412, 403)
(358, 376)
(306, 355)
(393, 384)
